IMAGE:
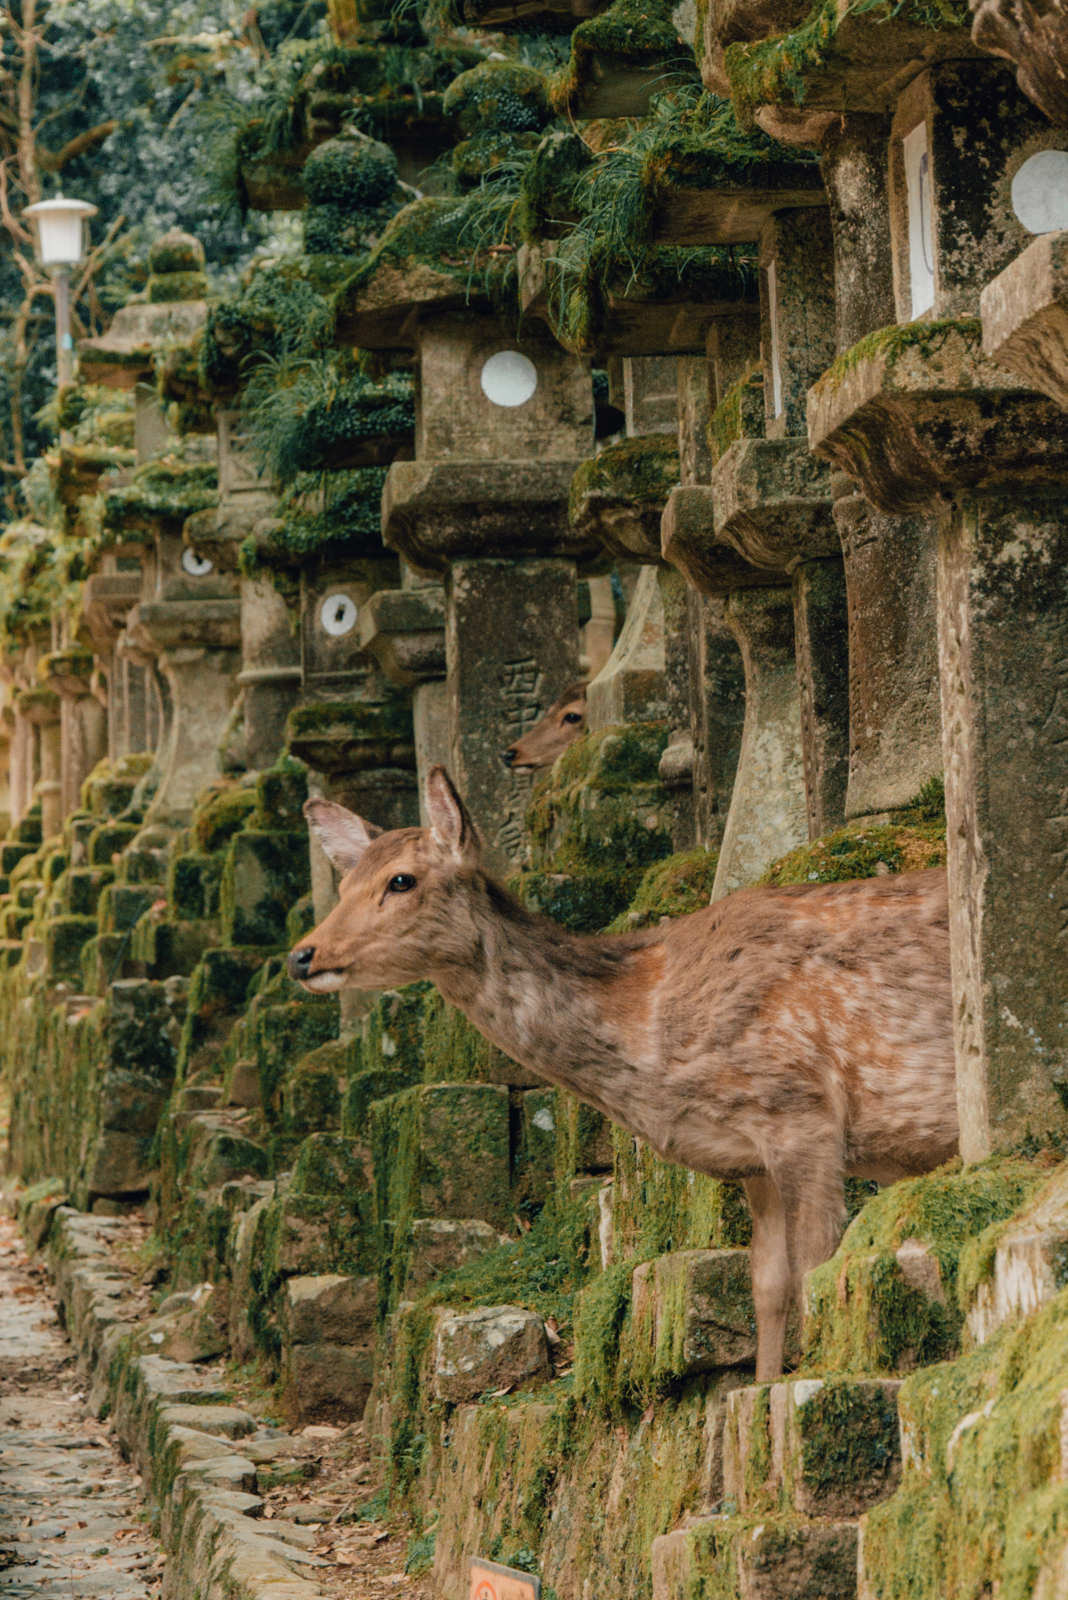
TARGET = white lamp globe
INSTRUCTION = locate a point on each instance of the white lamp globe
(60, 225)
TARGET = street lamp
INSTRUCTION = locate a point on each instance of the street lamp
(60, 225)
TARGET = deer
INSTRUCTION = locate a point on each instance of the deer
(781, 1037)
(559, 727)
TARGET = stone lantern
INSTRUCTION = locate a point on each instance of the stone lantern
(924, 422)
(501, 424)
(125, 358)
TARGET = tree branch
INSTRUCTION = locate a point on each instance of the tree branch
(55, 160)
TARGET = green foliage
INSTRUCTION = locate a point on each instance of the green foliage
(307, 415)
(278, 313)
(774, 71)
(325, 514)
(610, 244)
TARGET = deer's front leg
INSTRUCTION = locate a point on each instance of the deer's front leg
(769, 1266)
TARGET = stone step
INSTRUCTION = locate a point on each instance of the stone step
(756, 1558)
(814, 1447)
(121, 904)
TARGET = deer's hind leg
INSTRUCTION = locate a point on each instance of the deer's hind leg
(814, 1204)
(769, 1266)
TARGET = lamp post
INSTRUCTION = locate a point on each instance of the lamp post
(60, 225)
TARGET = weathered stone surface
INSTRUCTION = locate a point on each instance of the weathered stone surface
(1003, 645)
(326, 1380)
(440, 1244)
(757, 1559)
(895, 720)
(767, 813)
(1028, 1265)
(227, 1422)
(917, 413)
(495, 1347)
(187, 1327)
(1025, 316)
(692, 1311)
(821, 1448)
(330, 1308)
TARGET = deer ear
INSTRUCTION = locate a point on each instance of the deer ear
(343, 835)
(450, 824)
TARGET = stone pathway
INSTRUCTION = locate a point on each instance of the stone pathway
(71, 1524)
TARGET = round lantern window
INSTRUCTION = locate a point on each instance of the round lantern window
(338, 615)
(509, 378)
(196, 566)
(1040, 191)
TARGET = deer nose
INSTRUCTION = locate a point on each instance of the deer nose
(508, 756)
(300, 961)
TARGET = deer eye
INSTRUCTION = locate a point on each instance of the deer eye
(401, 882)
(572, 716)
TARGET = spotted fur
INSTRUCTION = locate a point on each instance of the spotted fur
(784, 1037)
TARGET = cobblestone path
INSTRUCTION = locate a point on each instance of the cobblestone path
(70, 1516)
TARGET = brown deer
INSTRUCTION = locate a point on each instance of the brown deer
(784, 1037)
(559, 727)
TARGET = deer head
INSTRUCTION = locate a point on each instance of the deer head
(559, 727)
(402, 914)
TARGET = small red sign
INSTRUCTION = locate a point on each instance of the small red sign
(492, 1582)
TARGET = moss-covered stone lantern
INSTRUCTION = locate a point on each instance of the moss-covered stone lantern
(923, 421)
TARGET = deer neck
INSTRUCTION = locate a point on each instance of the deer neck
(576, 1010)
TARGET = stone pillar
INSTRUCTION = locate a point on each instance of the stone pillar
(404, 630)
(500, 428)
(895, 729)
(190, 625)
(928, 424)
(771, 498)
(717, 712)
(1003, 615)
(41, 709)
(767, 813)
(894, 718)
(83, 720)
(270, 677)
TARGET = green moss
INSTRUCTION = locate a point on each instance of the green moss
(642, 470)
(433, 235)
(323, 413)
(861, 850)
(278, 312)
(671, 888)
(849, 1437)
(505, 96)
(166, 491)
(863, 1314)
(543, 1271)
(776, 71)
(900, 341)
(982, 1507)
(349, 524)
(739, 415)
(637, 34)
(175, 252)
(177, 286)
(355, 175)
(547, 187)
(600, 1313)
(220, 812)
